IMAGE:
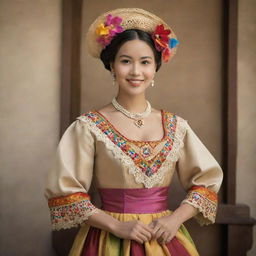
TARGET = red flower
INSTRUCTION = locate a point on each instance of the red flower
(166, 54)
(160, 37)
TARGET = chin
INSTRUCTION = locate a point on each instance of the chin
(134, 90)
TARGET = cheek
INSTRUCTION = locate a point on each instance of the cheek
(122, 71)
(150, 73)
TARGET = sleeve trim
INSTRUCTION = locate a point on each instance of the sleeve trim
(205, 201)
(70, 211)
(69, 199)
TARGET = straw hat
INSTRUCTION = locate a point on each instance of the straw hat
(109, 24)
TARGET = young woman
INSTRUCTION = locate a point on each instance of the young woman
(130, 151)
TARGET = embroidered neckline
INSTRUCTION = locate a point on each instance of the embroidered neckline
(147, 171)
(137, 141)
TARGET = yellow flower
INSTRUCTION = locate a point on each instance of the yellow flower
(102, 30)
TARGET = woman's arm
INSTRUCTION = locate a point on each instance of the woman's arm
(134, 230)
(184, 212)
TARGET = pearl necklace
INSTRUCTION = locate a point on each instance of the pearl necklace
(138, 117)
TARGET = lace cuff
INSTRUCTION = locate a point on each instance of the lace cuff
(205, 201)
(70, 211)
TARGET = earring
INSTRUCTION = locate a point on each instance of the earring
(152, 83)
(114, 78)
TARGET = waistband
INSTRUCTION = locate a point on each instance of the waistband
(138, 200)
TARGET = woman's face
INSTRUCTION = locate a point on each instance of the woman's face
(134, 67)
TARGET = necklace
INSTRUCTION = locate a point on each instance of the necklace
(137, 117)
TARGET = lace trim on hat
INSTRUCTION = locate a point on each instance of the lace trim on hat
(71, 210)
(140, 176)
(205, 201)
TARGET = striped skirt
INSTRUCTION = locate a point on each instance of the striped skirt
(144, 205)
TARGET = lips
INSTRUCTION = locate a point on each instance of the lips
(135, 82)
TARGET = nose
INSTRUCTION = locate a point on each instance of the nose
(135, 69)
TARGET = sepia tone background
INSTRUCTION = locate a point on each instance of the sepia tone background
(191, 86)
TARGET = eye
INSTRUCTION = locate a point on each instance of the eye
(145, 62)
(125, 61)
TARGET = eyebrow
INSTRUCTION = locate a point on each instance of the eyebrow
(127, 56)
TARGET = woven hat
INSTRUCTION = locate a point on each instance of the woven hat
(109, 24)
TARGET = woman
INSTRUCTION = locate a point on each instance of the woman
(130, 151)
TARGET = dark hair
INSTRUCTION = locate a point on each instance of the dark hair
(109, 53)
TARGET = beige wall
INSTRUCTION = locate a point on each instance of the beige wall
(29, 103)
(246, 164)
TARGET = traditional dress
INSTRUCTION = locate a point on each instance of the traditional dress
(132, 178)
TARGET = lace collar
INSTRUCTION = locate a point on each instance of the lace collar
(150, 158)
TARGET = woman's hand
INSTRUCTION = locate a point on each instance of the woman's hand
(135, 230)
(165, 228)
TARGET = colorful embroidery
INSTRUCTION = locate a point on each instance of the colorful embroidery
(142, 157)
(205, 201)
(146, 151)
(127, 161)
(70, 211)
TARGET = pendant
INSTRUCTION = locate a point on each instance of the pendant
(139, 123)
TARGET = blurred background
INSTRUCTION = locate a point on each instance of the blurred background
(191, 86)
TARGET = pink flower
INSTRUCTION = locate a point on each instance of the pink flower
(108, 30)
(114, 23)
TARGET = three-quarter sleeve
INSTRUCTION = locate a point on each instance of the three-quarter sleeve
(201, 176)
(70, 178)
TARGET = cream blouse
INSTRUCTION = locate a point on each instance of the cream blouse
(92, 150)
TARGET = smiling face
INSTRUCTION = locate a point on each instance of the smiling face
(134, 67)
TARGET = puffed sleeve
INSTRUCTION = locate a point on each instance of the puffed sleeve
(201, 176)
(70, 177)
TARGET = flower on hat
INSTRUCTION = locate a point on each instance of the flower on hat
(106, 31)
(162, 41)
(173, 42)
(160, 37)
